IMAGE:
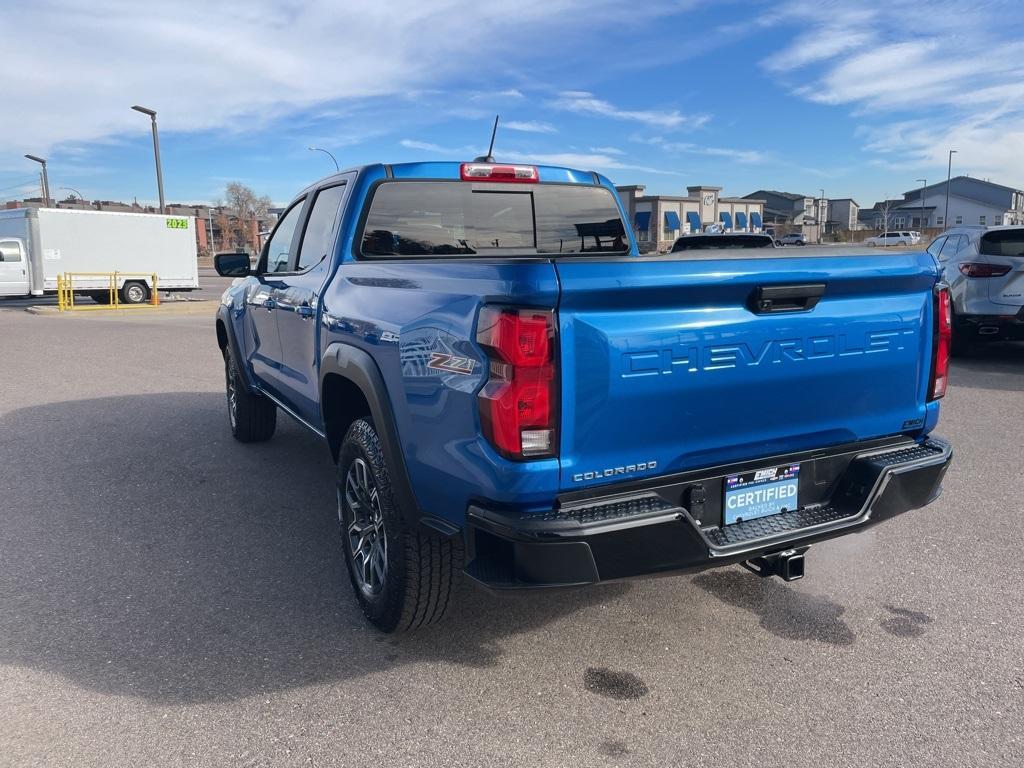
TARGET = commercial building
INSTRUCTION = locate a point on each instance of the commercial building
(658, 220)
(790, 212)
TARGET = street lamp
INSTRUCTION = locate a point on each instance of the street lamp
(156, 152)
(321, 149)
(924, 184)
(822, 218)
(46, 180)
(949, 172)
(72, 189)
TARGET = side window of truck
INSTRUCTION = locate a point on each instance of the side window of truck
(317, 240)
(279, 247)
(10, 251)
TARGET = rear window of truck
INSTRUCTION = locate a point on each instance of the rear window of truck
(458, 218)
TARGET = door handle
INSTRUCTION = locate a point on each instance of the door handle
(304, 311)
(769, 299)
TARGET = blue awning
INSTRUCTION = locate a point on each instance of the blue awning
(671, 220)
(741, 220)
(694, 219)
(755, 219)
(642, 220)
(726, 218)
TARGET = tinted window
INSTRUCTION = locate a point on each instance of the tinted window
(10, 251)
(458, 218)
(720, 242)
(279, 247)
(936, 246)
(317, 241)
(1006, 242)
(950, 247)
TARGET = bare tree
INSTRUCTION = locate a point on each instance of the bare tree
(885, 208)
(248, 209)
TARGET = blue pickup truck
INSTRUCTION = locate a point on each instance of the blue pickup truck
(514, 396)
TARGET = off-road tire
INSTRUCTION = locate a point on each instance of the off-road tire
(423, 569)
(253, 418)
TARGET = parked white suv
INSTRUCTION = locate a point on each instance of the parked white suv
(793, 238)
(892, 238)
(985, 272)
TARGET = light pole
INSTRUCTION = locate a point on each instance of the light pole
(72, 189)
(949, 172)
(924, 184)
(321, 149)
(45, 179)
(156, 152)
(822, 217)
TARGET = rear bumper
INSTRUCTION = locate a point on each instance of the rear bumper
(657, 529)
(991, 327)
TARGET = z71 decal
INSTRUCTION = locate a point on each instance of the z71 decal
(442, 361)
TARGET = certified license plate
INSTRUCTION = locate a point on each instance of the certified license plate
(761, 493)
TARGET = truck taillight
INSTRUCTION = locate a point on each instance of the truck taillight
(519, 174)
(941, 343)
(519, 402)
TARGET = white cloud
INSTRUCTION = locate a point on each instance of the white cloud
(528, 126)
(746, 156)
(607, 150)
(949, 80)
(235, 65)
(584, 102)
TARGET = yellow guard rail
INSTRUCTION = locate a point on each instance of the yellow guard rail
(66, 287)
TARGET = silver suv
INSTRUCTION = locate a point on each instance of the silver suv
(985, 271)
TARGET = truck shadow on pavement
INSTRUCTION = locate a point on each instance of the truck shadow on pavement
(146, 553)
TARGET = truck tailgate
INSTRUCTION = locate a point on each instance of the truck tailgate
(670, 364)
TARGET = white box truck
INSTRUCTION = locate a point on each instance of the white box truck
(38, 244)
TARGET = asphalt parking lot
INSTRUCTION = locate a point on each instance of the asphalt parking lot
(171, 597)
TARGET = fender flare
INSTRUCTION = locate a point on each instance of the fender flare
(358, 367)
(230, 342)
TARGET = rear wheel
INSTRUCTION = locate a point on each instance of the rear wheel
(403, 578)
(134, 292)
(253, 417)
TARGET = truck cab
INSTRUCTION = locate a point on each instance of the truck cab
(514, 395)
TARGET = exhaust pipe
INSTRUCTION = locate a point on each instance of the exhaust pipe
(788, 564)
(988, 330)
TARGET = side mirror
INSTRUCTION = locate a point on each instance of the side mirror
(232, 264)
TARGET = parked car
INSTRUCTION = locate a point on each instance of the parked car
(892, 238)
(510, 393)
(793, 238)
(984, 268)
(721, 242)
(915, 236)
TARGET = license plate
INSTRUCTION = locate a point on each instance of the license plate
(761, 493)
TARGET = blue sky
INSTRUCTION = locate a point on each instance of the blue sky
(857, 98)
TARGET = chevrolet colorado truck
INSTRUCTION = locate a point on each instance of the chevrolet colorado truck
(513, 395)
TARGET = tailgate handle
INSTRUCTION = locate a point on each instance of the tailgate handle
(768, 299)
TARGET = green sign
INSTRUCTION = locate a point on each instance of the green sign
(177, 223)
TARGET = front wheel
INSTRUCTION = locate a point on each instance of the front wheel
(403, 578)
(253, 417)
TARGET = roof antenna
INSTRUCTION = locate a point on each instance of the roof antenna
(489, 157)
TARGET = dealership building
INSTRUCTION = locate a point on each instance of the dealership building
(657, 220)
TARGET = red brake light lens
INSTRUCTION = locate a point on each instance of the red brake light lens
(941, 343)
(519, 402)
(976, 269)
(517, 174)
